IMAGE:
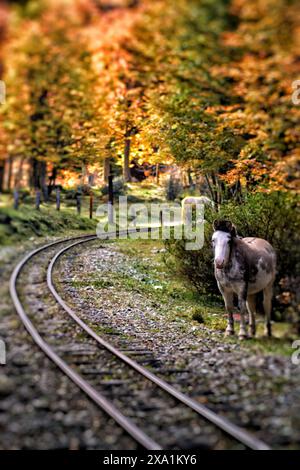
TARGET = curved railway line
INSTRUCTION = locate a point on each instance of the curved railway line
(155, 396)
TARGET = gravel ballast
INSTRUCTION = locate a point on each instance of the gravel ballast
(258, 391)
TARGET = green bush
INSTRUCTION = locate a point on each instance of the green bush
(196, 266)
(272, 216)
(275, 217)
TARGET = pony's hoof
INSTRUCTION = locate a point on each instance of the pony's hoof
(229, 333)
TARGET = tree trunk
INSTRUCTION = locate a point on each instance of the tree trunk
(216, 190)
(34, 177)
(157, 173)
(42, 179)
(19, 176)
(39, 176)
(1, 177)
(126, 164)
(106, 169)
(52, 180)
(10, 163)
(219, 190)
(213, 192)
(190, 178)
(238, 192)
(83, 174)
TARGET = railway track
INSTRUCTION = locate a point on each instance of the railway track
(151, 411)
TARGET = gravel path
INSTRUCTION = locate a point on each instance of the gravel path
(258, 391)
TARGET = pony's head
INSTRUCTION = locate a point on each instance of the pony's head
(224, 233)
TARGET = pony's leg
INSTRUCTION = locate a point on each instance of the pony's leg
(251, 306)
(228, 299)
(267, 303)
(243, 312)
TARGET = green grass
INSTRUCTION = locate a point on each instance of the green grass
(145, 192)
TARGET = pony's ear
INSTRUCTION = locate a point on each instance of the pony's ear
(225, 226)
(216, 224)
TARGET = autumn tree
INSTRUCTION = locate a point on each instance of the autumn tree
(217, 98)
(119, 85)
(51, 116)
(3, 28)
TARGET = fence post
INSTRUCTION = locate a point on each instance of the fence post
(161, 218)
(110, 197)
(91, 204)
(37, 199)
(57, 198)
(16, 199)
(45, 192)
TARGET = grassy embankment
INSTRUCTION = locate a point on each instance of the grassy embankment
(28, 223)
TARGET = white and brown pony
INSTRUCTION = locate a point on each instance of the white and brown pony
(245, 267)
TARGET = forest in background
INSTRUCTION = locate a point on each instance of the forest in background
(204, 84)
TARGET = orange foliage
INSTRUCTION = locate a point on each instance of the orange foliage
(269, 35)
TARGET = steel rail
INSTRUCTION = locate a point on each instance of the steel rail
(127, 424)
(221, 422)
